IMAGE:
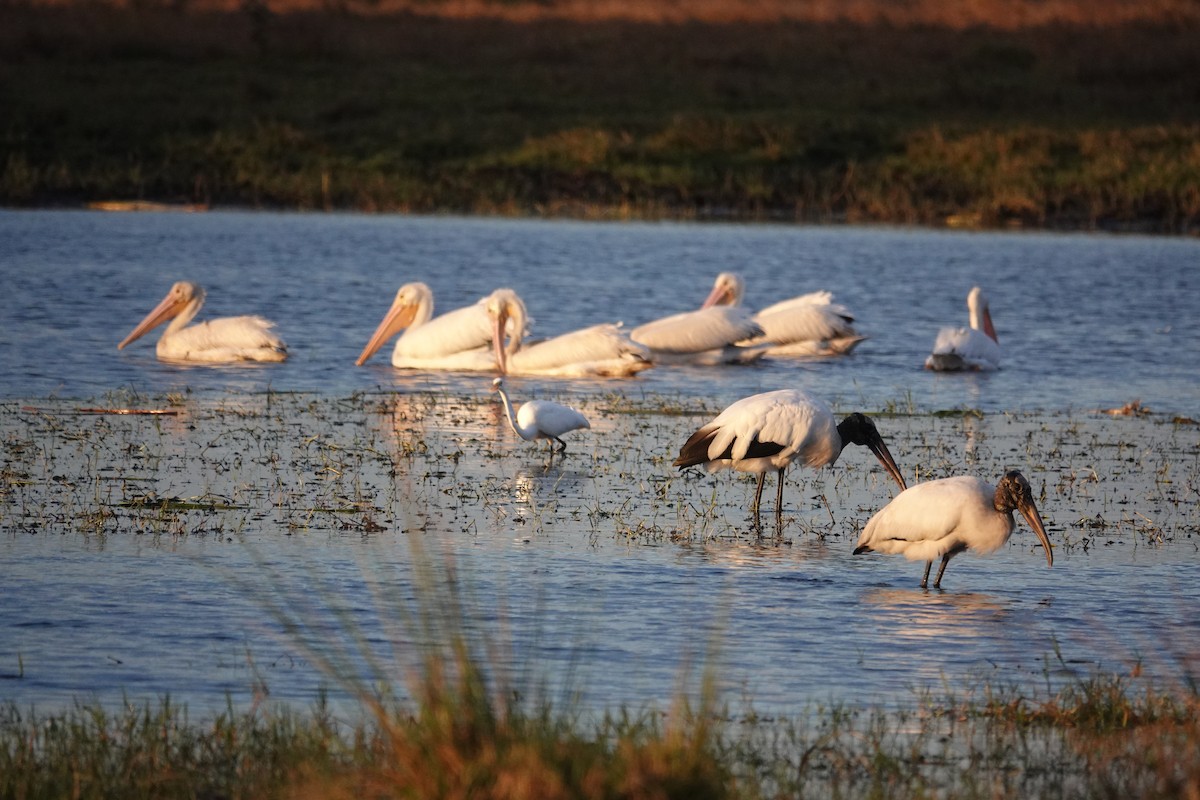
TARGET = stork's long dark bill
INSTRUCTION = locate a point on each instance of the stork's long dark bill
(885, 458)
(1030, 512)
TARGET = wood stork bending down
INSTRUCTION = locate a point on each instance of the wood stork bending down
(947, 516)
(217, 341)
(541, 419)
(457, 340)
(808, 325)
(965, 349)
(773, 429)
(599, 351)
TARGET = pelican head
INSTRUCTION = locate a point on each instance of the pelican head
(509, 317)
(981, 315)
(1013, 493)
(184, 295)
(727, 290)
(860, 429)
(413, 306)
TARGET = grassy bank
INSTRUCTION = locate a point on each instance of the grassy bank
(1056, 124)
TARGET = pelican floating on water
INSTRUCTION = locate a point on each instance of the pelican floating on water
(217, 341)
(598, 351)
(705, 337)
(808, 325)
(967, 349)
(457, 340)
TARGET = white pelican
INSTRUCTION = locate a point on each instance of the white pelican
(947, 516)
(541, 419)
(705, 337)
(216, 341)
(457, 340)
(973, 348)
(808, 325)
(599, 351)
(773, 429)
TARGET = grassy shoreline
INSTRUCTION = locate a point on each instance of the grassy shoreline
(1058, 125)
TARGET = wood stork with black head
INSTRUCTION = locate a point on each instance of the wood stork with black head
(968, 349)
(217, 341)
(541, 419)
(771, 430)
(945, 517)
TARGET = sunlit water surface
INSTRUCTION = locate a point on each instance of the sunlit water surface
(607, 574)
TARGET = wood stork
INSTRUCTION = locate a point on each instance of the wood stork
(966, 349)
(457, 340)
(598, 351)
(541, 419)
(773, 429)
(947, 516)
(808, 325)
(217, 341)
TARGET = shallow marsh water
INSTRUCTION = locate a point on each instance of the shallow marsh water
(143, 554)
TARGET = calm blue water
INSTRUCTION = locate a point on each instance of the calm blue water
(1086, 322)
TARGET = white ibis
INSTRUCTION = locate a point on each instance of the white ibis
(773, 429)
(457, 340)
(808, 325)
(216, 341)
(945, 517)
(966, 349)
(541, 419)
(598, 351)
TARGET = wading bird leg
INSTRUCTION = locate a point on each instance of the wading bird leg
(925, 577)
(758, 496)
(779, 498)
(945, 560)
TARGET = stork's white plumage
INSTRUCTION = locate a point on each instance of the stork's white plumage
(938, 519)
(458, 340)
(808, 325)
(541, 419)
(771, 430)
(968, 349)
(218, 341)
(598, 351)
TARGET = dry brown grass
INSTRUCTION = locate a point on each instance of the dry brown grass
(999, 14)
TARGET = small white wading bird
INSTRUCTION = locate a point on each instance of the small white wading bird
(218, 341)
(944, 517)
(771, 430)
(458, 340)
(599, 351)
(808, 325)
(967, 349)
(541, 419)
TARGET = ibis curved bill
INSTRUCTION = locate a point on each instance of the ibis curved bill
(771, 430)
(218, 341)
(541, 419)
(968, 349)
(939, 519)
(808, 325)
(458, 340)
(603, 351)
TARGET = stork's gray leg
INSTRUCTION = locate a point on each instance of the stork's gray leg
(758, 495)
(925, 577)
(945, 560)
(779, 498)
